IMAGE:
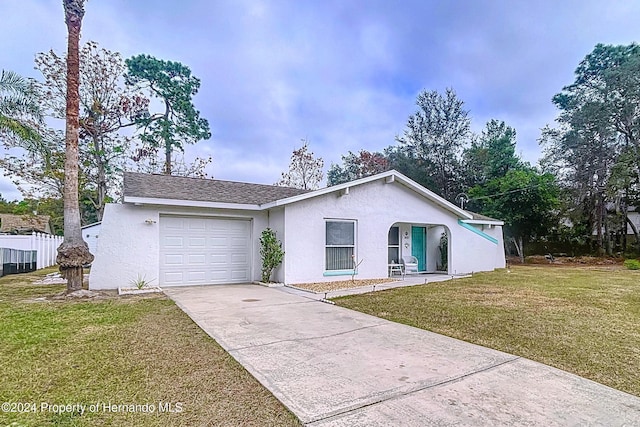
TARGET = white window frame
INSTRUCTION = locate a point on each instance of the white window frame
(389, 246)
(339, 272)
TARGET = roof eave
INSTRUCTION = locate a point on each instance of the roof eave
(92, 224)
(189, 203)
(483, 222)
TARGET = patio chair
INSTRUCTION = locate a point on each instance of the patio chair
(410, 264)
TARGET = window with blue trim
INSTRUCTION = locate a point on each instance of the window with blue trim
(340, 244)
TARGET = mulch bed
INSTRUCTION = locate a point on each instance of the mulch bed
(342, 284)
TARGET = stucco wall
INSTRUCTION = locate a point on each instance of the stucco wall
(130, 247)
(375, 206)
(470, 252)
(405, 240)
(90, 234)
(496, 232)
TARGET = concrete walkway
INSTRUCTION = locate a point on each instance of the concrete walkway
(336, 367)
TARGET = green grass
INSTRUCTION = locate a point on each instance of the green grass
(133, 350)
(582, 320)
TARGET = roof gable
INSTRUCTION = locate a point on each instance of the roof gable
(390, 177)
(155, 186)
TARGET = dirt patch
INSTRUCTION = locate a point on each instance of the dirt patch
(342, 284)
(80, 294)
(94, 296)
(56, 278)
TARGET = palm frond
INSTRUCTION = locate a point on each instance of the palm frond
(18, 105)
(18, 128)
(13, 83)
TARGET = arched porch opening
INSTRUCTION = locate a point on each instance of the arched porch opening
(427, 243)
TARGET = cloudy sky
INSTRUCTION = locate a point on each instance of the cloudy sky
(343, 74)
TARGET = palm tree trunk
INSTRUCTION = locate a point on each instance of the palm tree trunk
(73, 253)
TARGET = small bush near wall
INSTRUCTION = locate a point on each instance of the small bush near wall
(632, 264)
(271, 253)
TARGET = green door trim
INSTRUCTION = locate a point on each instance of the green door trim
(419, 246)
(478, 232)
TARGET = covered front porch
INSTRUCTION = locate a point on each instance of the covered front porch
(418, 248)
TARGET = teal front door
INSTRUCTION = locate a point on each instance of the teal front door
(418, 244)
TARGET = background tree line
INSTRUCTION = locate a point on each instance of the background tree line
(480, 172)
(580, 193)
(139, 114)
(594, 150)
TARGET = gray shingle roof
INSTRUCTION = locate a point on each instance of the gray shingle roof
(477, 216)
(204, 190)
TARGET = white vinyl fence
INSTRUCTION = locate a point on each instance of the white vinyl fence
(16, 261)
(46, 246)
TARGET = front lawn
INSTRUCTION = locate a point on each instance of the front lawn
(124, 351)
(582, 320)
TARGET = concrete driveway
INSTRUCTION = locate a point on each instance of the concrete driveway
(336, 367)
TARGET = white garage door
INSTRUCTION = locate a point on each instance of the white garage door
(203, 251)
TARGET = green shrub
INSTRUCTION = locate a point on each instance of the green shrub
(271, 253)
(632, 264)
